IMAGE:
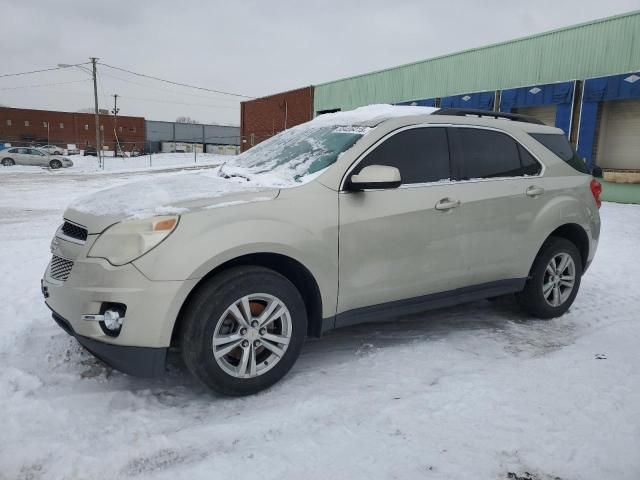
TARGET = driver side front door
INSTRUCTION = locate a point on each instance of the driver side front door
(399, 245)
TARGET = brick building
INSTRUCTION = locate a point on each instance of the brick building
(264, 117)
(24, 126)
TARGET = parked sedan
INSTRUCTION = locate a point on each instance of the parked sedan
(32, 156)
(51, 149)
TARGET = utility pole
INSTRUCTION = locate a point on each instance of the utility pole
(95, 97)
(115, 124)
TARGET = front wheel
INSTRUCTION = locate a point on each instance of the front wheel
(243, 330)
(55, 164)
(554, 279)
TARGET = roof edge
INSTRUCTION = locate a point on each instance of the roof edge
(488, 46)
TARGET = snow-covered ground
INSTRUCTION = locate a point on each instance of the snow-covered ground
(473, 392)
(89, 164)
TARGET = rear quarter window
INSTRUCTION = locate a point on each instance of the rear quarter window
(559, 145)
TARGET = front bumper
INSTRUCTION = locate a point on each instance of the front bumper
(138, 361)
(88, 285)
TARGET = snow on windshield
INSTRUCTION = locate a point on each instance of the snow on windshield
(299, 152)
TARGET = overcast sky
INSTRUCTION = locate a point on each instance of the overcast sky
(249, 47)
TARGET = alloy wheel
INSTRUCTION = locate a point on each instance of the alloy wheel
(559, 279)
(252, 335)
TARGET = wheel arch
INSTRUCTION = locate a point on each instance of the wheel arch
(291, 269)
(576, 235)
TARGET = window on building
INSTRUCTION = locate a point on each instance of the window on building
(27, 123)
(8, 123)
(45, 124)
(86, 127)
(120, 129)
(61, 125)
(132, 129)
(421, 155)
(490, 154)
(101, 128)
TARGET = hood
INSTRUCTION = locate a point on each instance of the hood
(176, 194)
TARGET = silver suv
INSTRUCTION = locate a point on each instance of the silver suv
(353, 217)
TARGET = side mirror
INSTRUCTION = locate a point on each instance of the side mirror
(596, 172)
(375, 177)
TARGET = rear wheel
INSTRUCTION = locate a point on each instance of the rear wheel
(243, 330)
(8, 162)
(554, 280)
(55, 164)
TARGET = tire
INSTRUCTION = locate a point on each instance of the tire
(8, 162)
(57, 153)
(208, 318)
(556, 302)
(55, 164)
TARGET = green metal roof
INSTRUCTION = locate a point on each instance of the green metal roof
(601, 47)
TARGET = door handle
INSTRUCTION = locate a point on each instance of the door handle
(534, 191)
(447, 204)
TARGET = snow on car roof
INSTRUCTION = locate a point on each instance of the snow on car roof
(370, 115)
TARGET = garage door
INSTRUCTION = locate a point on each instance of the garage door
(547, 113)
(619, 137)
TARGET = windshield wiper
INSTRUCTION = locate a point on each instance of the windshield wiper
(232, 175)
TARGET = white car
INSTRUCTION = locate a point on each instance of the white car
(353, 217)
(51, 149)
(32, 157)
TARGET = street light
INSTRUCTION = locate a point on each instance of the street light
(94, 74)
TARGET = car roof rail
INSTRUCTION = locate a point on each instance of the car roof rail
(463, 112)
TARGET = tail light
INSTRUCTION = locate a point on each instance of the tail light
(596, 191)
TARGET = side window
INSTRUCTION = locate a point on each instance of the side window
(490, 154)
(23, 151)
(421, 155)
(530, 166)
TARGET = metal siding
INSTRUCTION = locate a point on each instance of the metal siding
(158, 131)
(222, 135)
(603, 47)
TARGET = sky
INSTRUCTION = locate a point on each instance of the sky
(249, 47)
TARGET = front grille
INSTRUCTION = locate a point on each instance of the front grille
(74, 231)
(60, 268)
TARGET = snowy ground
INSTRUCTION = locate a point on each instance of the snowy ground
(89, 164)
(473, 392)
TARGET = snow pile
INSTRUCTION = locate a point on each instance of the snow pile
(370, 115)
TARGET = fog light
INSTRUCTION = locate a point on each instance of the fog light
(112, 320)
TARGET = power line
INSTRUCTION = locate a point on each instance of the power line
(233, 107)
(41, 70)
(45, 84)
(165, 90)
(176, 83)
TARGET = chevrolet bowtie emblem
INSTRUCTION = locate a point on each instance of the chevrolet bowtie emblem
(54, 245)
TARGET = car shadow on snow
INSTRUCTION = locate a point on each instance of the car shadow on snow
(500, 319)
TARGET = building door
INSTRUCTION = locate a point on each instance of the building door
(619, 137)
(546, 113)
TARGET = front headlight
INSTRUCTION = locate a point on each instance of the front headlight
(125, 241)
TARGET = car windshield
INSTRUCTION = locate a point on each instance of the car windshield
(294, 155)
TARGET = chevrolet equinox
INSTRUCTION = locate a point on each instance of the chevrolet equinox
(352, 217)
